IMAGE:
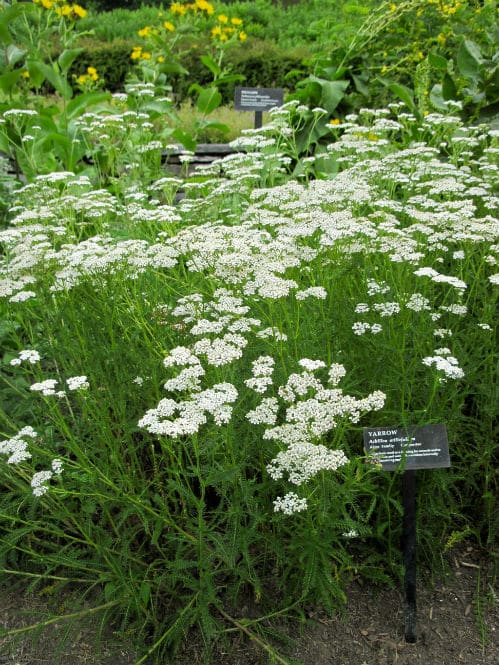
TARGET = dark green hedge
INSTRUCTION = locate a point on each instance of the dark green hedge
(263, 64)
(112, 62)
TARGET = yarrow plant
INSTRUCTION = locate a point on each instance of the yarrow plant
(183, 395)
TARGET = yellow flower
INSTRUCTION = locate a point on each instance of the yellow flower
(160, 58)
(216, 31)
(236, 21)
(384, 69)
(47, 4)
(25, 74)
(65, 10)
(169, 26)
(79, 11)
(144, 32)
(205, 6)
(92, 73)
(178, 8)
(82, 79)
(393, 7)
(334, 121)
(222, 18)
(243, 36)
(441, 39)
(145, 55)
(136, 53)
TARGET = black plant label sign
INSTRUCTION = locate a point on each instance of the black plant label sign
(257, 99)
(406, 448)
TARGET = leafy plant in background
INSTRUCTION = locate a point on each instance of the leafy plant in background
(426, 53)
(197, 25)
(49, 141)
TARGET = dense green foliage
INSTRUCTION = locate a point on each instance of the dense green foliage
(188, 360)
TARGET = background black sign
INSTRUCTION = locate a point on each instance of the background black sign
(257, 99)
(423, 447)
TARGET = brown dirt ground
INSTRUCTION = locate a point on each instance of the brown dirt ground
(455, 625)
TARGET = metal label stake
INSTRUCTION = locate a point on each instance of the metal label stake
(409, 448)
(409, 551)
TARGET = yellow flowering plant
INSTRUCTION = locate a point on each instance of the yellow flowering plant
(38, 26)
(39, 39)
(161, 48)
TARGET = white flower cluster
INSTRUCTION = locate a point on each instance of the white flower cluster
(302, 461)
(78, 383)
(446, 364)
(418, 303)
(17, 446)
(460, 310)
(46, 387)
(311, 365)
(374, 287)
(290, 503)
(190, 414)
(318, 292)
(361, 327)
(387, 308)
(189, 377)
(313, 410)
(272, 332)
(222, 350)
(438, 277)
(30, 355)
(265, 413)
(39, 482)
(262, 369)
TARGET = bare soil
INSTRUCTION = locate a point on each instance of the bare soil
(458, 622)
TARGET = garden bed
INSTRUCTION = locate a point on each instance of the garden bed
(455, 625)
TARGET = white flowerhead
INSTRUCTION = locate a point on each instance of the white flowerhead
(78, 383)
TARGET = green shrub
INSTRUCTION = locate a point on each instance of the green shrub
(262, 63)
(119, 23)
(112, 62)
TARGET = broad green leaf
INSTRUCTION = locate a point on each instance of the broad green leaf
(55, 138)
(360, 85)
(469, 59)
(437, 61)
(208, 62)
(81, 102)
(14, 54)
(449, 89)
(405, 94)
(67, 57)
(209, 99)
(437, 98)
(58, 81)
(8, 15)
(185, 139)
(9, 80)
(332, 93)
(230, 78)
(220, 126)
(309, 92)
(36, 77)
(172, 68)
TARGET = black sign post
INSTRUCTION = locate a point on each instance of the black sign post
(409, 448)
(257, 100)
